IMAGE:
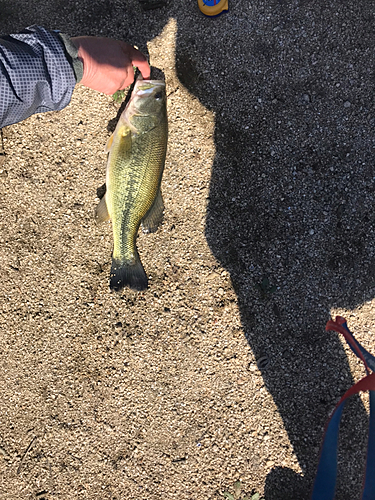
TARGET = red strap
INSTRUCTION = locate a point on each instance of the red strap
(337, 326)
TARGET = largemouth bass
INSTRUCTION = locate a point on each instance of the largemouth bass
(137, 150)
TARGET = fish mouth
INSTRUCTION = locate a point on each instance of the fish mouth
(143, 89)
(140, 81)
(147, 87)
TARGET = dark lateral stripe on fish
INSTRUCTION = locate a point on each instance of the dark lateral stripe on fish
(131, 275)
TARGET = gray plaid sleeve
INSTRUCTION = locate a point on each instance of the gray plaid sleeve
(35, 74)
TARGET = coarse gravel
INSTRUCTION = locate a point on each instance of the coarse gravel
(222, 370)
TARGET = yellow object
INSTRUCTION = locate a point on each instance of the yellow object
(212, 7)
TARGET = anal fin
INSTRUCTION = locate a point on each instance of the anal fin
(154, 216)
(101, 211)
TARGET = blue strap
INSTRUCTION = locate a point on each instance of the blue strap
(325, 481)
(369, 488)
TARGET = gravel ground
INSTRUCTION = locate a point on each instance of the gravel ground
(221, 371)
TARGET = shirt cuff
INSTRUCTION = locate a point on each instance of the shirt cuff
(72, 54)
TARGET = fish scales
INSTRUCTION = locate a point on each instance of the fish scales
(137, 182)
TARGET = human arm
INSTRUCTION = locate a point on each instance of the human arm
(39, 70)
(35, 74)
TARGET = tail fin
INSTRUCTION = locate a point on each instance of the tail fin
(125, 274)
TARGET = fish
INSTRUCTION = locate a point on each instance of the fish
(136, 157)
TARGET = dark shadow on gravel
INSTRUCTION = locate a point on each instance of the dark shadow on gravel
(291, 195)
(291, 200)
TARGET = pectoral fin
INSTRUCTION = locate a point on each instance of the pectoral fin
(109, 143)
(154, 216)
(101, 211)
(126, 139)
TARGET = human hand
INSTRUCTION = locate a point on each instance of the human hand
(108, 63)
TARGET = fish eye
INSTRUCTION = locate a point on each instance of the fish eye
(158, 96)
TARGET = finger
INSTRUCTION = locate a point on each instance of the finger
(129, 78)
(143, 67)
(139, 60)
